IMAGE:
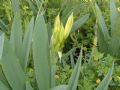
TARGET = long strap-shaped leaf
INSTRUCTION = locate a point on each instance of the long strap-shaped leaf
(60, 87)
(115, 30)
(72, 85)
(2, 86)
(32, 6)
(101, 23)
(102, 31)
(15, 6)
(16, 37)
(3, 78)
(105, 82)
(28, 86)
(113, 14)
(27, 43)
(12, 68)
(80, 22)
(1, 43)
(41, 54)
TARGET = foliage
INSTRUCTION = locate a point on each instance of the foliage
(52, 45)
(108, 42)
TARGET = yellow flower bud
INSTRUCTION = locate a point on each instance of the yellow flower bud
(57, 77)
(60, 34)
(118, 9)
(98, 81)
(118, 78)
(68, 26)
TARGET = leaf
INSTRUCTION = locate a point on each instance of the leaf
(114, 46)
(71, 9)
(61, 87)
(101, 23)
(80, 22)
(1, 43)
(11, 68)
(41, 54)
(38, 3)
(105, 82)
(53, 72)
(102, 31)
(27, 42)
(32, 6)
(3, 78)
(3, 26)
(2, 86)
(72, 60)
(16, 37)
(68, 26)
(113, 14)
(28, 86)
(15, 6)
(73, 81)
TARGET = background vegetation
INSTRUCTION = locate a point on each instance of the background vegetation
(59, 44)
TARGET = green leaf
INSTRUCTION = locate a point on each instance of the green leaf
(15, 6)
(3, 78)
(28, 86)
(113, 14)
(27, 42)
(72, 60)
(73, 82)
(105, 82)
(102, 31)
(60, 87)
(80, 22)
(32, 6)
(38, 3)
(75, 8)
(101, 23)
(2, 86)
(115, 38)
(11, 68)
(41, 54)
(16, 37)
(114, 46)
(3, 26)
(1, 43)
